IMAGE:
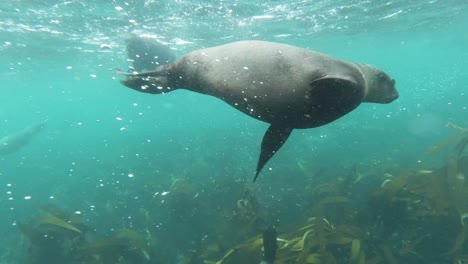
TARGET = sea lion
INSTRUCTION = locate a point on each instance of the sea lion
(147, 53)
(286, 86)
(14, 142)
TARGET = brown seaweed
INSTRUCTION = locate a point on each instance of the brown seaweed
(421, 208)
(124, 246)
(58, 223)
(462, 132)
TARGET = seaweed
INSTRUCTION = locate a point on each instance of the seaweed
(247, 252)
(428, 200)
(445, 143)
(124, 246)
(316, 242)
(458, 194)
(56, 238)
(416, 217)
(52, 235)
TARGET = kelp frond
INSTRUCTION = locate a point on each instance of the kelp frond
(57, 222)
(445, 143)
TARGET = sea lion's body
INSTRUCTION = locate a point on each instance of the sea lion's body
(286, 86)
(14, 142)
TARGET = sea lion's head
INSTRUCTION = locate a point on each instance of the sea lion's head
(155, 82)
(380, 88)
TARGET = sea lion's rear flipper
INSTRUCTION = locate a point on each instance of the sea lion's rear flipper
(272, 141)
(146, 53)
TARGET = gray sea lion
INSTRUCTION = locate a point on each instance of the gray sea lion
(286, 86)
(146, 53)
(14, 142)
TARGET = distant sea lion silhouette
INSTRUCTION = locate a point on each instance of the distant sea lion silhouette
(14, 142)
(147, 53)
(286, 86)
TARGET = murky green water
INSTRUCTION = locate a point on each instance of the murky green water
(108, 153)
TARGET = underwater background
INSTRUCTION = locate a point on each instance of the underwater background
(174, 172)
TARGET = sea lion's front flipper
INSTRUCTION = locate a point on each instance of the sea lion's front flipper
(331, 97)
(272, 141)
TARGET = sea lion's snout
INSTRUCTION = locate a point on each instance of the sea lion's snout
(395, 95)
(390, 98)
(392, 92)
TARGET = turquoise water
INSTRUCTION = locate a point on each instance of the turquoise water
(106, 150)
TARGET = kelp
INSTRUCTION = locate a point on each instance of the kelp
(445, 143)
(52, 235)
(248, 213)
(124, 246)
(73, 219)
(458, 194)
(52, 223)
(456, 188)
(314, 243)
(456, 180)
(436, 186)
(357, 254)
(57, 237)
(427, 199)
(247, 252)
(417, 217)
(58, 223)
